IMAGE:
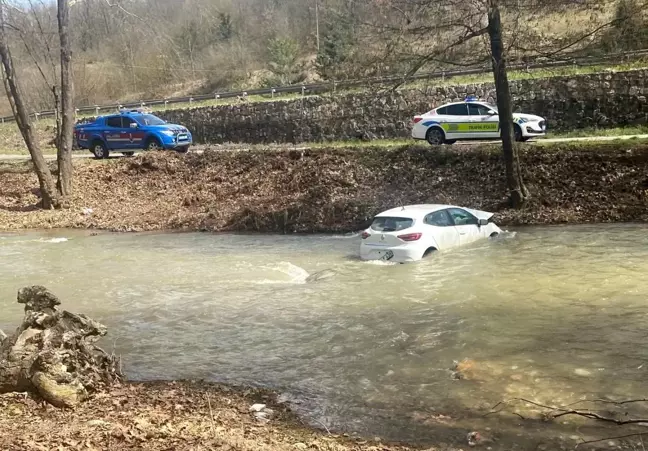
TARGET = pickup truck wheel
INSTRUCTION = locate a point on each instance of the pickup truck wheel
(99, 150)
(153, 144)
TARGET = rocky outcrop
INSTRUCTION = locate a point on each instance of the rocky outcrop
(53, 353)
(605, 99)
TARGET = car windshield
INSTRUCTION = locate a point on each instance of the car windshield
(149, 119)
(391, 224)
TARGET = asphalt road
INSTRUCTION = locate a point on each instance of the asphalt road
(82, 154)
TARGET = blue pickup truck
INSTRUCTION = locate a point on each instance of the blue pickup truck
(129, 131)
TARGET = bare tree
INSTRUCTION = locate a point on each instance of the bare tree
(53, 196)
(49, 194)
(64, 142)
(514, 183)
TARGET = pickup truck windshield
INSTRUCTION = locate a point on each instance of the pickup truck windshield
(149, 119)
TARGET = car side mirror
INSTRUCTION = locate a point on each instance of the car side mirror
(482, 222)
(133, 125)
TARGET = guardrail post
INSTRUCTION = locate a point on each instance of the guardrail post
(36, 116)
(272, 92)
(3, 120)
(334, 87)
(166, 104)
(142, 105)
(96, 110)
(303, 91)
(216, 97)
(190, 101)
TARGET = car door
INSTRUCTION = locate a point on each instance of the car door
(442, 228)
(484, 123)
(132, 129)
(114, 134)
(457, 121)
(466, 225)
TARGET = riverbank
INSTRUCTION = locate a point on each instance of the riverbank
(168, 416)
(332, 190)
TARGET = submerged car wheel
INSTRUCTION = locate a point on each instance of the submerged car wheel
(153, 144)
(99, 150)
(429, 252)
(435, 137)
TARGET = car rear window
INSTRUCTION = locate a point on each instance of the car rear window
(391, 224)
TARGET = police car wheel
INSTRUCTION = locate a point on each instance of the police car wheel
(153, 144)
(435, 137)
(450, 141)
(517, 134)
(99, 150)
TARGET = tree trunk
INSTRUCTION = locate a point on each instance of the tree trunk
(48, 192)
(64, 155)
(517, 191)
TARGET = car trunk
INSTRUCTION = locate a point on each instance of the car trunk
(384, 230)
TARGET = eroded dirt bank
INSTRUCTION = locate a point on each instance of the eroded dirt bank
(332, 190)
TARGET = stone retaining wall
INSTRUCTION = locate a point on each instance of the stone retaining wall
(604, 99)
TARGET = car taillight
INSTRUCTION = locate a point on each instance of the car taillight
(365, 235)
(410, 236)
(417, 119)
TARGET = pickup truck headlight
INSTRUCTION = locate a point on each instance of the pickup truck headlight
(168, 133)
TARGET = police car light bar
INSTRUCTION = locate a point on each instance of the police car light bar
(470, 99)
(135, 110)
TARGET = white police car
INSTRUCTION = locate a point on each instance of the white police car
(472, 119)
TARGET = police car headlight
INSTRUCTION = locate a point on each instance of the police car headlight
(168, 133)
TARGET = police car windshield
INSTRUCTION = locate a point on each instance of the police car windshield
(149, 119)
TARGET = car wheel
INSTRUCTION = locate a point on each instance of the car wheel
(183, 149)
(429, 251)
(435, 137)
(450, 142)
(153, 144)
(128, 154)
(99, 150)
(517, 134)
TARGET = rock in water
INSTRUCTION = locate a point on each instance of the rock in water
(320, 275)
(53, 353)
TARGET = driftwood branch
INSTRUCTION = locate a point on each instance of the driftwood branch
(558, 411)
(639, 434)
(53, 353)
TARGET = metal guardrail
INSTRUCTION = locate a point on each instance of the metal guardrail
(333, 86)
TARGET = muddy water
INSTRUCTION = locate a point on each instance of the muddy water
(551, 314)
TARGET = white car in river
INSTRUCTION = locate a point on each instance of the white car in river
(412, 232)
(472, 119)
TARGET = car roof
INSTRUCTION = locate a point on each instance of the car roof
(415, 211)
(478, 102)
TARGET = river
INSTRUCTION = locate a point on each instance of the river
(552, 314)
